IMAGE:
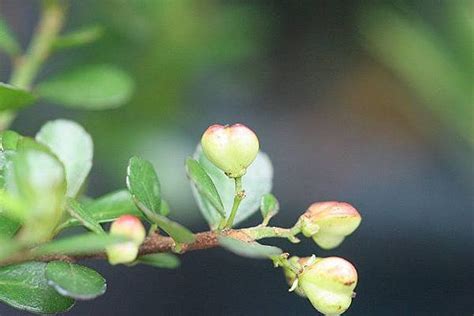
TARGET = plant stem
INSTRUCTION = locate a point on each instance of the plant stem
(27, 67)
(156, 243)
(238, 197)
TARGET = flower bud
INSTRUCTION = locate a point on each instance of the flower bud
(131, 227)
(329, 284)
(334, 220)
(231, 148)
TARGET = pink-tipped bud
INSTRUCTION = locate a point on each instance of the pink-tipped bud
(329, 223)
(230, 148)
(131, 227)
(329, 284)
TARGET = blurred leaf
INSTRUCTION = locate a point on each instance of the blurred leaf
(143, 183)
(165, 208)
(248, 249)
(160, 260)
(90, 87)
(178, 232)
(8, 43)
(38, 181)
(9, 140)
(269, 206)
(80, 244)
(75, 281)
(108, 208)
(73, 146)
(256, 182)
(24, 286)
(13, 98)
(7, 247)
(8, 227)
(83, 36)
(13, 207)
(204, 185)
(77, 211)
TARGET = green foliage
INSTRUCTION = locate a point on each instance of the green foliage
(76, 210)
(75, 281)
(269, 206)
(257, 182)
(160, 260)
(13, 98)
(248, 249)
(8, 43)
(83, 36)
(73, 146)
(204, 185)
(95, 87)
(25, 287)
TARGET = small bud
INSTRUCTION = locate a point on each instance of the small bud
(329, 284)
(334, 221)
(231, 148)
(127, 226)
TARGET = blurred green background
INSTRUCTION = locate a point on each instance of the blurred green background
(369, 102)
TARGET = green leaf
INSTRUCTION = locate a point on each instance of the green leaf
(75, 281)
(84, 217)
(204, 185)
(8, 227)
(8, 43)
(73, 146)
(24, 286)
(13, 98)
(165, 208)
(9, 140)
(7, 247)
(83, 36)
(38, 181)
(248, 249)
(143, 183)
(256, 182)
(90, 87)
(80, 244)
(160, 260)
(269, 206)
(108, 208)
(176, 231)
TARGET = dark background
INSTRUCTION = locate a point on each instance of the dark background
(328, 86)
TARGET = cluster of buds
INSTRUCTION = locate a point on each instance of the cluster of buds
(230, 148)
(130, 227)
(328, 283)
(328, 223)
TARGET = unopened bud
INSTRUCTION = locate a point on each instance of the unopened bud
(231, 148)
(127, 226)
(334, 221)
(329, 284)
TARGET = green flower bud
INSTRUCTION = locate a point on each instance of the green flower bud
(231, 148)
(329, 284)
(127, 226)
(334, 221)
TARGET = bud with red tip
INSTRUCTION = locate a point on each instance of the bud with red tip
(127, 226)
(231, 148)
(329, 284)
(329, 223)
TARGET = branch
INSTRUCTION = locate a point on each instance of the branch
(156, 243)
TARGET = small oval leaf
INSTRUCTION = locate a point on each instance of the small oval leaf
(84, 217)
(269, 207)
(75, 281)
(248, 249)
(160, 260)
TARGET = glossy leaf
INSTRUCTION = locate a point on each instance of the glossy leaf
(178, 232)
(13, 98)
(108, 208)
(143, 183)
(256, 182)
(90, 87)
(80, 244)
(75, 281)
(8, 43)
(83, 36)
(84, 217)
(24, 286)
(73, 146)
(269, 206)
(248, 249)
(160, 260)
(204, 185)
